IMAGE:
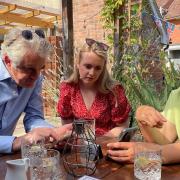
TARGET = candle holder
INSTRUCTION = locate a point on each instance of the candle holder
(81, 153)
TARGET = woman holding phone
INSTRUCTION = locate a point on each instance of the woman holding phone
(162, 128)
(90, 92)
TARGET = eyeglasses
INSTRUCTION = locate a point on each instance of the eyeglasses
(27, 34)
(103, 46)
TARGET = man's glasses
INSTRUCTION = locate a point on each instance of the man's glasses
(27, 34)
(101, 45)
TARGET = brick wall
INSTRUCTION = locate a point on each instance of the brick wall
(175, 35)
(52, 79)
(86, 16)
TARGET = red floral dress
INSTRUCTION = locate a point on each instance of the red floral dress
(107, 110)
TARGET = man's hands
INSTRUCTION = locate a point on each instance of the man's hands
(34, 136)
(121, 151)
(63, 132)
(149, 116)
(49, 134)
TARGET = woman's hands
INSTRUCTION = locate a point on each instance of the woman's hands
(121, 151)
(149, 116)
(124, 152)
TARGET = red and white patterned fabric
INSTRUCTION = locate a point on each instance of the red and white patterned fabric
(107, 110)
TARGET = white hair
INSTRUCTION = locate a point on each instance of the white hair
(15, 46)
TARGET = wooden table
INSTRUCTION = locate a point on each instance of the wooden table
(105, 169)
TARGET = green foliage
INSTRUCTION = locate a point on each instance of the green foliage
(107, 16)
(172, 76)
(132, 70)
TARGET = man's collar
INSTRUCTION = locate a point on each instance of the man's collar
(4, 74)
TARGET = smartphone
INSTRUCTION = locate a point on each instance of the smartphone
(125, 136)
(127, 133)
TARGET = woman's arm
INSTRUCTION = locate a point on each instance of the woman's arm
(170, 153)
(117, 130)
(120, 109)
(154, 127)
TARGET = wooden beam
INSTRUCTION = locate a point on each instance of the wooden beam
(67, 28)
(8, 8)
(47, 11)
(32, 14)
(3, 31)
(33, 21)
(52, 19)
(7, 23)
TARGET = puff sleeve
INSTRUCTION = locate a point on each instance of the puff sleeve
(120, 106)
(64, 103)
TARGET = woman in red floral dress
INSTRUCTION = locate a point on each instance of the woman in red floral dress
(90, 92)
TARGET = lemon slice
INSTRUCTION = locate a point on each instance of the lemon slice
(142, 162)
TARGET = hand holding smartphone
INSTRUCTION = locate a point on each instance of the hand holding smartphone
(126, 134)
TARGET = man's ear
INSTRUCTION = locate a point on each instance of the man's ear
(7, 60)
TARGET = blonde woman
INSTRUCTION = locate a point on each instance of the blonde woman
(90, 92)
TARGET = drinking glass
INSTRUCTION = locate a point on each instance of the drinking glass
(32, 150)
(47, 167)
(147, 161)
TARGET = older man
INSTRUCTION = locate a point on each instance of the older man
(24, 54)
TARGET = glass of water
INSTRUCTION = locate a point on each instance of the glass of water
(48, 167)
(147, 161)
(32, 150)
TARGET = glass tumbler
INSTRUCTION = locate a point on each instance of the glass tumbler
(147, 161)
(48, 167)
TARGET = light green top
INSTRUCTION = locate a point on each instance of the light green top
(172, 109)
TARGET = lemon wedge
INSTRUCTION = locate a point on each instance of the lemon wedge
(142, 162)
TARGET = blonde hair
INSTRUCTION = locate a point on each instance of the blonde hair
(105, 82)
(16, 46)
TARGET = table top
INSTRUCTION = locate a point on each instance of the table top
(105, 169)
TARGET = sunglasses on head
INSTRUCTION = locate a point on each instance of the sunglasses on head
(103, 46)
(27, 34)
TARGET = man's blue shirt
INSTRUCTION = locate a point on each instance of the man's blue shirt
(14, 101)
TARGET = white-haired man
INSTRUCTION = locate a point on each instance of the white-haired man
(24, 53)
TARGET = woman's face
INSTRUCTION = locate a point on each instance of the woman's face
(90, 68)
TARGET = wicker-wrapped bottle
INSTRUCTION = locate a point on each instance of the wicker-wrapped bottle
(81, 153)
